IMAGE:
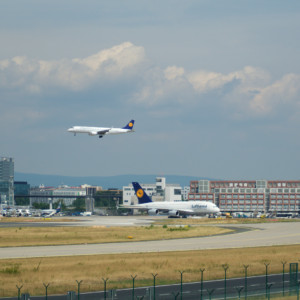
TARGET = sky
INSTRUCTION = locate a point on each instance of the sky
(213, 87)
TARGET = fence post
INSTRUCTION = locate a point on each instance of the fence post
(225, 267)
(201, 290)
(154, 277)
(19, 291)
(133, 278)
(239, 289)
(246, 278)
(283, 264)
(181, 274)
(46, 287)
(105, 281)
(210, 293)
(266, 264)
(269, 288)
(78, 291)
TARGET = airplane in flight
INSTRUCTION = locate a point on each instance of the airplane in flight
(101, 131)
(173, 209)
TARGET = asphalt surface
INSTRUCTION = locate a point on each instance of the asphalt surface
(254, 235)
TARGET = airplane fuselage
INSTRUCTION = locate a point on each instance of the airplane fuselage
(102, 131)
(190, 207)
(96, 130)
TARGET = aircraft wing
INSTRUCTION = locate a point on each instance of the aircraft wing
(102, 132)
(133, 207)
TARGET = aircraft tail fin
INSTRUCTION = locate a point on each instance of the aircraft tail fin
(140, 193)
(58, 209)
(129, 125)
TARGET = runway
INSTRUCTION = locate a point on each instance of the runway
(267, 234)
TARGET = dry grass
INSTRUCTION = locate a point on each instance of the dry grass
(28, 236)
(35, 220)
(62, 272)
(234, 221)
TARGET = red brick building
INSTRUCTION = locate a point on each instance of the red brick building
(280, 196)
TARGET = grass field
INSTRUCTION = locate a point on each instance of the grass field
(29, 236)
(62, 272)
(201, 221)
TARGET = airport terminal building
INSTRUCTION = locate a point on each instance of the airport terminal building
(254, 196)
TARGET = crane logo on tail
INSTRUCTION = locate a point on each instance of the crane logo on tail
(140, 193)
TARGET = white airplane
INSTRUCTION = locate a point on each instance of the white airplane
(101, 131)
(174, 209)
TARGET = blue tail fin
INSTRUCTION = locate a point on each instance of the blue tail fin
(58, 209)
(140, 193)
(129, 125)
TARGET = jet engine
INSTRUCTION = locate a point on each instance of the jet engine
(173, 214)
(152, 212)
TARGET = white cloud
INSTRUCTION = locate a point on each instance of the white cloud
(76, 74)
(246, 92)
(284, 92)
(173, 72)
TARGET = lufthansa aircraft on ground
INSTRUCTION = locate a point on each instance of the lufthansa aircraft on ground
(101, 131)
(50, 212)
(173, 209)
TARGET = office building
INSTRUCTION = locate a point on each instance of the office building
(51, 195)
(6, 181)
(254, 196)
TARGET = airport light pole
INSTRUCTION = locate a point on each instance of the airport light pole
(201, 290)
(78, 290)
(154, 277)
(246, 278)
(46, 287)
(105, 281)
(133, 278)
(19, 291)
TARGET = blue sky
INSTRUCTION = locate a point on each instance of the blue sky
(213, 86)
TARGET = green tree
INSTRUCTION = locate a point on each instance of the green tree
(22, 201)
(79, 204)
(37, 205)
